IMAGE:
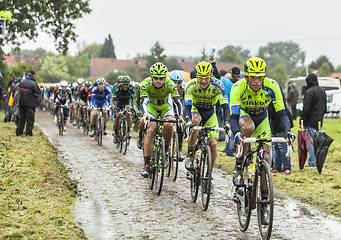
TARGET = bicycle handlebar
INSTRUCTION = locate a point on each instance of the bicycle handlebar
(162, 120)
(254, 140)
(210, 129)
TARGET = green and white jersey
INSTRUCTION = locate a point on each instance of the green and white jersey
(254, 103)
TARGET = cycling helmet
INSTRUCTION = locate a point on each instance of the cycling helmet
(124, 79)
(58, 85)
(88, 84)
(203, 69)
(158, 70)
(74, 84)
(176, 75)
(63, 83)
(80, 80)
(255, 66)
(101, 81)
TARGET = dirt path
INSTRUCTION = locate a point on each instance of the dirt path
(115, 202)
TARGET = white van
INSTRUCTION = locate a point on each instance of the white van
(333, 103)
(327, 83)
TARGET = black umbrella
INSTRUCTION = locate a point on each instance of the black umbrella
(321, 145)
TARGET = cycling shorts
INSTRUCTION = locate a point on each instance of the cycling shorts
(103, 103)
(262, 125)
(209, 119)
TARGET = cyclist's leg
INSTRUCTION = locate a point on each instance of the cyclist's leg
(93, 121)
(168, 113)
(196, 119)
(210, 119)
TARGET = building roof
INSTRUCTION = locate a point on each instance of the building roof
(101, 66)
(335, 75)
(12, 60)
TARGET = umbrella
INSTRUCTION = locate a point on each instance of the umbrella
(303, 142)
(321, 145)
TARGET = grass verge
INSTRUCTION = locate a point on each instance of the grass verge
(35, 192)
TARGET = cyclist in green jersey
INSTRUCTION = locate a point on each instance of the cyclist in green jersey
(250, 98)
(122, 98)
(156, 93)
(202, 95)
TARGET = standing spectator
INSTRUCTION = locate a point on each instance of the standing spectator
(228, 83)
(0, 89)
(278, 161)
(29, 93)
(15, 105)
(292, 100)
(8, 100)
(314, 108)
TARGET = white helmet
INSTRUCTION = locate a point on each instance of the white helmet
(58, 85)
(74, 84)
(63, 83)
(80, 80)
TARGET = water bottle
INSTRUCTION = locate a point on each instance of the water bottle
(251, 173)
(212, 51)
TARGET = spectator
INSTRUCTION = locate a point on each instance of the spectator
(314, 108)
(0, 89)
(292, 100)
(29, 93)
(15, 105)
(8, 100)
(228, 83)
(278, 161)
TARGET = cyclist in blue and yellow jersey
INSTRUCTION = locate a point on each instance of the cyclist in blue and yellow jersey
(202, 95)
(156, 93)
(250, 98)
(122, 98)
(100, 97)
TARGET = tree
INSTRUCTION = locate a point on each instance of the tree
(172, 63)
(55, 69)
(156, 55)
(55, 17)
(108, 49)
(279, 74)
(300, 72)
(233, 54)
(112, 76)
(92, 50)
(324, 70)
(287, 53)
(338, 69)
(25, 53)
(319, 62)
(78, 66)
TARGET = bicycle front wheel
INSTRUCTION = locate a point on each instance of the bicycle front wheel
(265, 201)
(174, 157)
(160, 167)
(206, 177)
(124, 137)
(100, 131)
(194, 176)
(151, 178)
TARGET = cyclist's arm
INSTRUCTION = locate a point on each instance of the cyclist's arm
(215, 70)
(178, 103)
(69, 96)
(235, 109)
(284, 120)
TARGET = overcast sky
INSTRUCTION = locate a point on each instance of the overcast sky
(184, 27)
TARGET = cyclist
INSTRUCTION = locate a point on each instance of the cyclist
(178, 77)
(75, 95)
(156, 93)
(100, 97)
(123, 95)
(250, 98)
(62, 97)
(83, 97)
(202, 95)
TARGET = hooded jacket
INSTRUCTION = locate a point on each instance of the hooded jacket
(29, 93)
(314, 103)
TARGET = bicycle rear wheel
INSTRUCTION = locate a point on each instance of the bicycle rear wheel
(61, 122)
(206, 177)
(160, 162)
(100, 131)
(265, 201)
(79, 117)
(151, 178)
(242, 198)
(124, 137)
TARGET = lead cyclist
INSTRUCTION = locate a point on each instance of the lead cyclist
(250, 98)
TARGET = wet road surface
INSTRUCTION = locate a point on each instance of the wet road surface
(115, 202)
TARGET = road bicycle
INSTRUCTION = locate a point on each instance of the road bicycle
(123, 138)
(158, 159)
(202, 173)
(99, 127)
(256, 191)
(60, 118)
(174, 154)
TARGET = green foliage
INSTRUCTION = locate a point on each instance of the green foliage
(18, 70)
(78, 65)
(324, 70)
(131, 71)
(235, 54)
(26, 53)
(338, 69)
(92, 50)
(319, 62)
(112, 76)
(156, 55)
(300, 72)
(55, 17)
(55, 69)
(172, 63)
(287, 53)
(279, 74)
(108, 49)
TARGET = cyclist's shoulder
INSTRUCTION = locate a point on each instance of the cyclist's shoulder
(240, 85)
(218, 84)
(269, 82)
(190, 84)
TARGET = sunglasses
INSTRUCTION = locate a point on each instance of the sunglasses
(204, 78)
(159, 78)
